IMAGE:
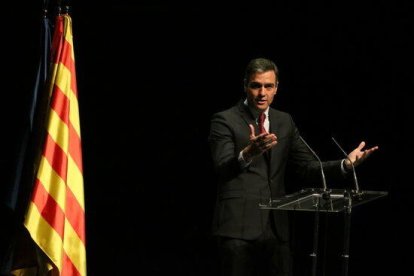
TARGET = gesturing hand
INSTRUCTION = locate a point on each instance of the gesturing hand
(258, 144)
(358, 155)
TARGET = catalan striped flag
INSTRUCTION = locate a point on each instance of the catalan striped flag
(56, 214)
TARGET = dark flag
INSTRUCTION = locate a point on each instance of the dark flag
(15, 193)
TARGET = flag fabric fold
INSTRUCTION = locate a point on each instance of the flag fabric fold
(55, 217)
(17, 249)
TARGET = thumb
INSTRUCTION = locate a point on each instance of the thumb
(361, 145)
(252, 132)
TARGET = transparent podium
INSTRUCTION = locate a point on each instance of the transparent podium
(317, 200)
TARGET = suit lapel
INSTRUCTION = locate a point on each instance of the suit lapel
(247, 116)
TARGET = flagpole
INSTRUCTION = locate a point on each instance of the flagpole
(65, 5)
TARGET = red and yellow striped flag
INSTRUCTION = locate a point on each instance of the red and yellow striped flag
(56, 215)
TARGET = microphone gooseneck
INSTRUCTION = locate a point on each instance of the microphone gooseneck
(352, 166)
(320, 164)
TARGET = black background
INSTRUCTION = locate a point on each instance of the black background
(150, 75)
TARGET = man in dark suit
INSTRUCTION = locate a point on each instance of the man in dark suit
(252, 144)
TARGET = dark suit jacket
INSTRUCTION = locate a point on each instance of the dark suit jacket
(241, 190)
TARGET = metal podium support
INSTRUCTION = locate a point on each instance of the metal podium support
(327, 201)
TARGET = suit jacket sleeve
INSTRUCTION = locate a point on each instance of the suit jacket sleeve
(223, 148)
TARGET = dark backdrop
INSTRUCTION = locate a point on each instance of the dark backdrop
(150, 75)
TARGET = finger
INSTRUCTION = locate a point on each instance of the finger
(268, 136)
(272, 144)
(371, 150)
(260, 139)
(269, 139)
(268, 146)
(272, 136)
(269, 142)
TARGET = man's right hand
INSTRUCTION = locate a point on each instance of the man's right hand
(258, 144)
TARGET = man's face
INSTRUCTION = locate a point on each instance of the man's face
(261, 89)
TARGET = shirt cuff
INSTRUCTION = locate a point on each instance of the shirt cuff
(242, 162)
(343, 168)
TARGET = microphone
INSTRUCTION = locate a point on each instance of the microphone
(352, 165)
(325, 194)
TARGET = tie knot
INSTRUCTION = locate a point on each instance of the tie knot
(262, 118)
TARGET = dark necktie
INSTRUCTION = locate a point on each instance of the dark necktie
(262, 118)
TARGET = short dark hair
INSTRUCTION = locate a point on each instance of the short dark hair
(259, 65)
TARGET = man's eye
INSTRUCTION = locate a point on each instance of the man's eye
(257, 85)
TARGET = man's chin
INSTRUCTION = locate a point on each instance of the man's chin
(258, 106)
(261, 107)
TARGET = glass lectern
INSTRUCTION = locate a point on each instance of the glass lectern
(330, 201)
